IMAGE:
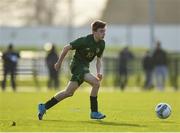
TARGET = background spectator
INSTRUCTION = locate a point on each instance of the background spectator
(160, 64)
(124, 57)
(51, 59)
(10, 60)
(147, 64)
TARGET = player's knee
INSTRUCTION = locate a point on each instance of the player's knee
(96, 84)
(69, 93)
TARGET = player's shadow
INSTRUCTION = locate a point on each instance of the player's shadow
(100, 122)
(113, 123)
(169, 122)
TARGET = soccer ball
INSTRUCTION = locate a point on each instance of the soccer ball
(163, 110)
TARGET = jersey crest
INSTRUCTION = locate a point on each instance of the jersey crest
(97, 50)
(87, 49)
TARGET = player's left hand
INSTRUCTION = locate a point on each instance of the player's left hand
(99, 76)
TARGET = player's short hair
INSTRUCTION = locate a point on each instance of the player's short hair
(97, 24)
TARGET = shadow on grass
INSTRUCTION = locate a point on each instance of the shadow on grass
(113, 123)
(168, 122)
(99, 122)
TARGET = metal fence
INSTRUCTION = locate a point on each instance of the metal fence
(36, 67)
(135, 69)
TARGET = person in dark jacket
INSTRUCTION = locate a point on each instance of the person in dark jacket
(148, 66)
(160, 64)
(51, 59)
(124, 57)
(10, 60)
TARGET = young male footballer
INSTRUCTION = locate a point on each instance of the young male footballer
(86, 49)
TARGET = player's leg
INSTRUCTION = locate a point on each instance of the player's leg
(56, 81)
(95, 83)
(69, 91)
(4, 78)
(158, 77)
(164, 75)
(125, 79)
(149, 79)
(13, 78)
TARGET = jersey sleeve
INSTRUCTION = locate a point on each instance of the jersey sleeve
(100, 53)
(78, 43)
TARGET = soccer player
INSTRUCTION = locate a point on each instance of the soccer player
(86, 49)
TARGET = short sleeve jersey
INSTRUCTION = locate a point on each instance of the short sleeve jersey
(86, 48)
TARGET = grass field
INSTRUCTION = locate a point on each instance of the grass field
(126, 111)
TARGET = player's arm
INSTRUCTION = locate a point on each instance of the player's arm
(61, 57)
(98, 67)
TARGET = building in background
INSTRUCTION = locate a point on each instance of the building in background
(136, 12)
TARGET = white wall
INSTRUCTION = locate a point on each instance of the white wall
(137, 36)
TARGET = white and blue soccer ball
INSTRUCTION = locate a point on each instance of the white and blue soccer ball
(163, 110)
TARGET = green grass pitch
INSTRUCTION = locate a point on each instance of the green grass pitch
(126, 111)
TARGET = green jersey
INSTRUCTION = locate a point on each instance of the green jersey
(87, 48)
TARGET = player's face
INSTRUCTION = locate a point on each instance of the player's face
(100, 33)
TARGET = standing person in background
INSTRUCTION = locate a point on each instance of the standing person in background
(160, 64)
(148, 66)
(51, 59)
(124, 57)
(10, 60)
(86, 49)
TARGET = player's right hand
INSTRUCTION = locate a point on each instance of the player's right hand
(56, 66)
(99, 76)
